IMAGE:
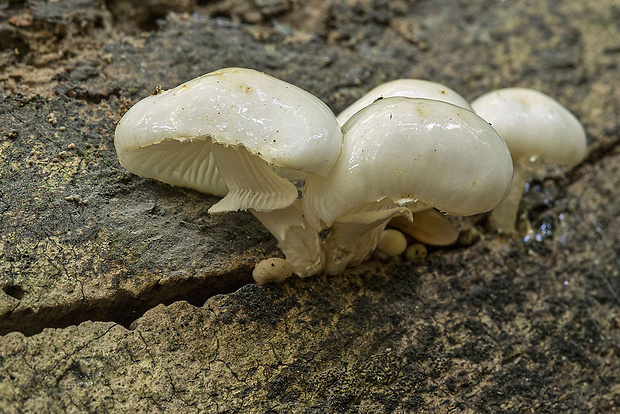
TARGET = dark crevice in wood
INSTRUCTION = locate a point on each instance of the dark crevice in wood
(124, 308)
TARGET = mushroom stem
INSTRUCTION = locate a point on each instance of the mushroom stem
(273, 201)
(348, 245)
(251, 183)
(353, 240)
(504, 217)
(301, 244)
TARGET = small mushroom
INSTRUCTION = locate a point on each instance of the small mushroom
(536, 129)
(402, 150)
(392, 243)
(415, 252)
(242, 124)
(274, 270)
(409, 88)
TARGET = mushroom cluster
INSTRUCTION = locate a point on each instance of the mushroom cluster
(409, 151)
(401, 154)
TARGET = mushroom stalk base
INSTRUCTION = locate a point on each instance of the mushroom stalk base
(354, 236)
(504, 217)
(301, 244)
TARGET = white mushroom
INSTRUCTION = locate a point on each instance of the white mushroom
(414, 88)
(415, 253)
(536, 129)
(392, 242)
(274, 270)
(409, 88)
(399, 150)
(244, 123)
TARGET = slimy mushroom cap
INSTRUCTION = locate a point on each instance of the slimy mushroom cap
(534, 125)
(398, 151)
(409, 88)
(169, 136)
(439, 154)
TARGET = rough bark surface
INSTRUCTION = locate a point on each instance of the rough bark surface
(121, 294)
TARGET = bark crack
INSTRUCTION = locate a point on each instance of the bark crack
(123, 308)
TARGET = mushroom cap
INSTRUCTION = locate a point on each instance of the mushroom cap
(410, 88)
(534, 125)
(428, 227)
(168, 136)
(403, 148)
